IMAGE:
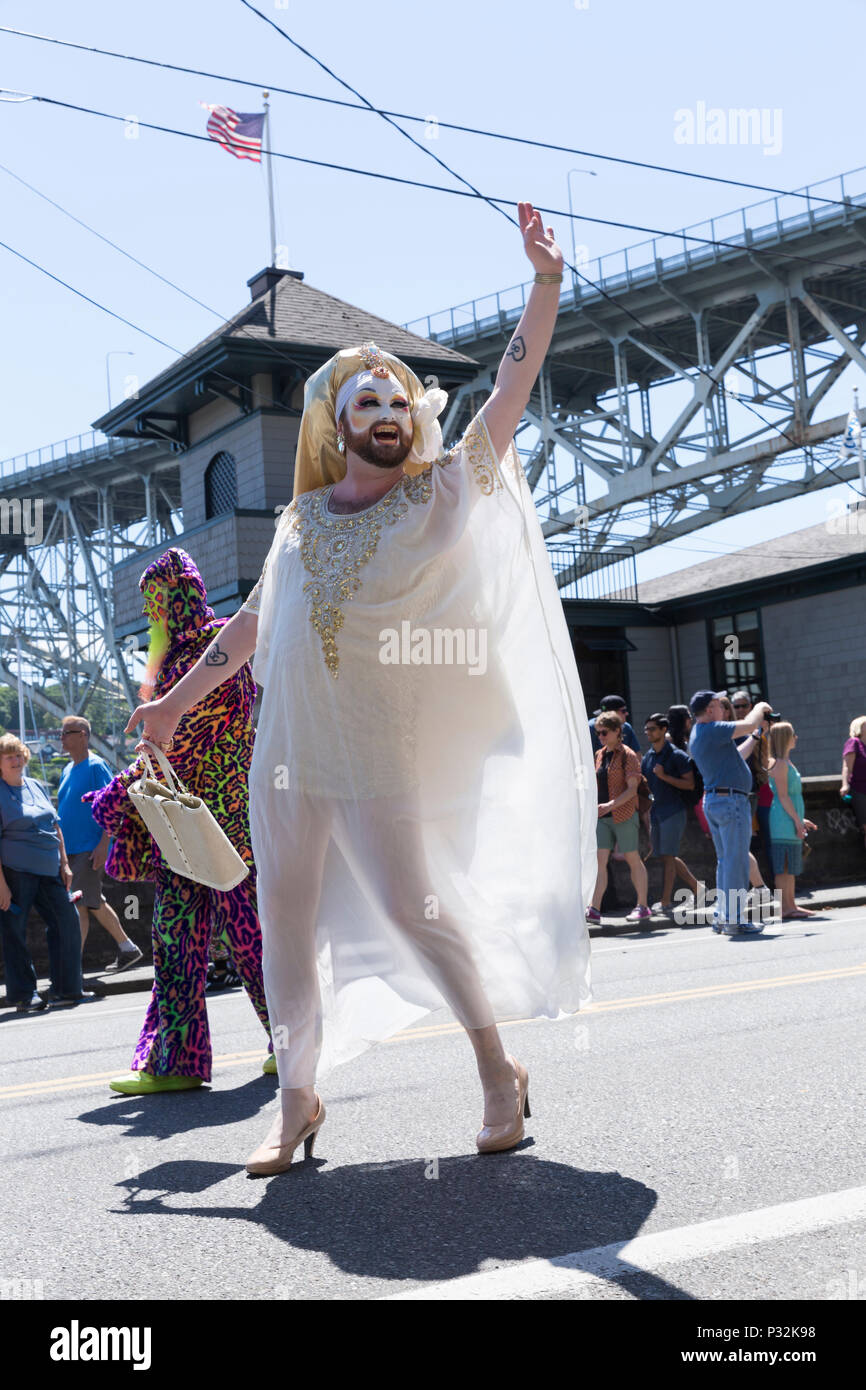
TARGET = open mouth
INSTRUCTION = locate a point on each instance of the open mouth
(386, 434)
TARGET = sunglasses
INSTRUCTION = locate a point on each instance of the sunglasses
(603, 733)
(741, 704)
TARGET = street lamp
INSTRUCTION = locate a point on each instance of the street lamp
(591, 172)
(115, 352)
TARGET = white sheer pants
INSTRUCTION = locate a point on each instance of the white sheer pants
(381, 843)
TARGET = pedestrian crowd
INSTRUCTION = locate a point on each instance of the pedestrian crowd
(53, 860)
(730, 761)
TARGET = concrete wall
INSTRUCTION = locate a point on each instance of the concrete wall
(651, 681)
(229, 552)
(694, 660)
(813, 648)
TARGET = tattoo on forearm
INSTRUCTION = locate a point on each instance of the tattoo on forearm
(215, 656)
(516, 348)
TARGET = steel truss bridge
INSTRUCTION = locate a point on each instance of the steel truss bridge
(68, 514)
(686, 384)
(647, 423)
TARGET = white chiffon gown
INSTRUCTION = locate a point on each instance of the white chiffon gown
(422, 792)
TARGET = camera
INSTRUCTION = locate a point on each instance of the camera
(772, 717)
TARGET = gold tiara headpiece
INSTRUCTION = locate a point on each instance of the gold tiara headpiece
(373, 360)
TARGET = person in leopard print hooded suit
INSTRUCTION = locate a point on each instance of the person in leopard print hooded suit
(211, 752)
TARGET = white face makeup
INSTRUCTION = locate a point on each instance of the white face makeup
(382, 406)
(378, 423)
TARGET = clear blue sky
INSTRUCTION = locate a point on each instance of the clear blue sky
(608, 78)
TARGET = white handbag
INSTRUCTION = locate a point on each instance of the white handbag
(190, 841)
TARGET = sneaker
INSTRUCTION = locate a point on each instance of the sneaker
(742, 929)
(34, 1005)
(662, 909)
(125, 959)
(593, 914)
(59, 1000)
(225, 978)
(639, 914)
(269, 1065)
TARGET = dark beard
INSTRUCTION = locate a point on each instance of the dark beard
(380, 455)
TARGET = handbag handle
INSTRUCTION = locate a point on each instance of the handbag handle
(171, 776)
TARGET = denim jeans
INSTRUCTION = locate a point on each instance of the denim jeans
(62, 930)
(730, 821)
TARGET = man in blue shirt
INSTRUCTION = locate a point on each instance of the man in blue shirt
(614, 704)
(86, 844)
(728, 781)
(668, 772)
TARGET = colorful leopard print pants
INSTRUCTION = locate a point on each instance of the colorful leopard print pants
(175, 1038)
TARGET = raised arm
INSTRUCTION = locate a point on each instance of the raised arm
(531, 338)
(233, 645)
(755, 719)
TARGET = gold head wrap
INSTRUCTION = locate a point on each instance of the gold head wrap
(318, 461)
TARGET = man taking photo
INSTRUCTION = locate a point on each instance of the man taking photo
(728, 781)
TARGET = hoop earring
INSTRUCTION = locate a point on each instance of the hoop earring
(341, 444)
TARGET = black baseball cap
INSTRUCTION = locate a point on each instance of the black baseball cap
(611, 703)
(701, 698)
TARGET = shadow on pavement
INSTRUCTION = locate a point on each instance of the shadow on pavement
(166, 1114)
(391, 1221)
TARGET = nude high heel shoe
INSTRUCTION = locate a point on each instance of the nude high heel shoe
(276, 1158)
(494, 1138)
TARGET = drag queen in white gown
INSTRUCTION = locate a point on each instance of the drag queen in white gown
(422, 800)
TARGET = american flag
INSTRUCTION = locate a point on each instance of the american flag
(239, 132)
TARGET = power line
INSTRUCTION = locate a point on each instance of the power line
(623, 308)
(423, 120)
(216, 313)
(437, 188)
(109, 242)
(233, 381)
(679, 235)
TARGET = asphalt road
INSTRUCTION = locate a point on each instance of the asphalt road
(705, 1111)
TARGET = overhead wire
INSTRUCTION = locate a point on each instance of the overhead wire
(472, 192)
(443, 125)
(247, 4)
(497, 203)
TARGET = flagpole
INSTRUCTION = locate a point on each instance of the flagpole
(273, 259)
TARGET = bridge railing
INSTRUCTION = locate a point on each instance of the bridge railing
(765, 221)
(591, 574)
(81, 447)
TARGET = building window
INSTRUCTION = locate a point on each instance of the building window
(220, 485)
(602, 663)
(736, 654)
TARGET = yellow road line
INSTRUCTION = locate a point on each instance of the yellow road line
(237, 1059)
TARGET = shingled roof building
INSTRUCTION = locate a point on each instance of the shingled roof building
(785, 620)
(231, 410)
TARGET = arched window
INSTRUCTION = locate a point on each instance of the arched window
(220, 485)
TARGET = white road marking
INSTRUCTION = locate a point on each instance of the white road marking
(74, 1016)
(570, 1274)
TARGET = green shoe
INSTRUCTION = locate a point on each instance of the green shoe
(141, 1083)
(269, 1065)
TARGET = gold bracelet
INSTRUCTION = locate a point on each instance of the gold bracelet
(547, 279)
